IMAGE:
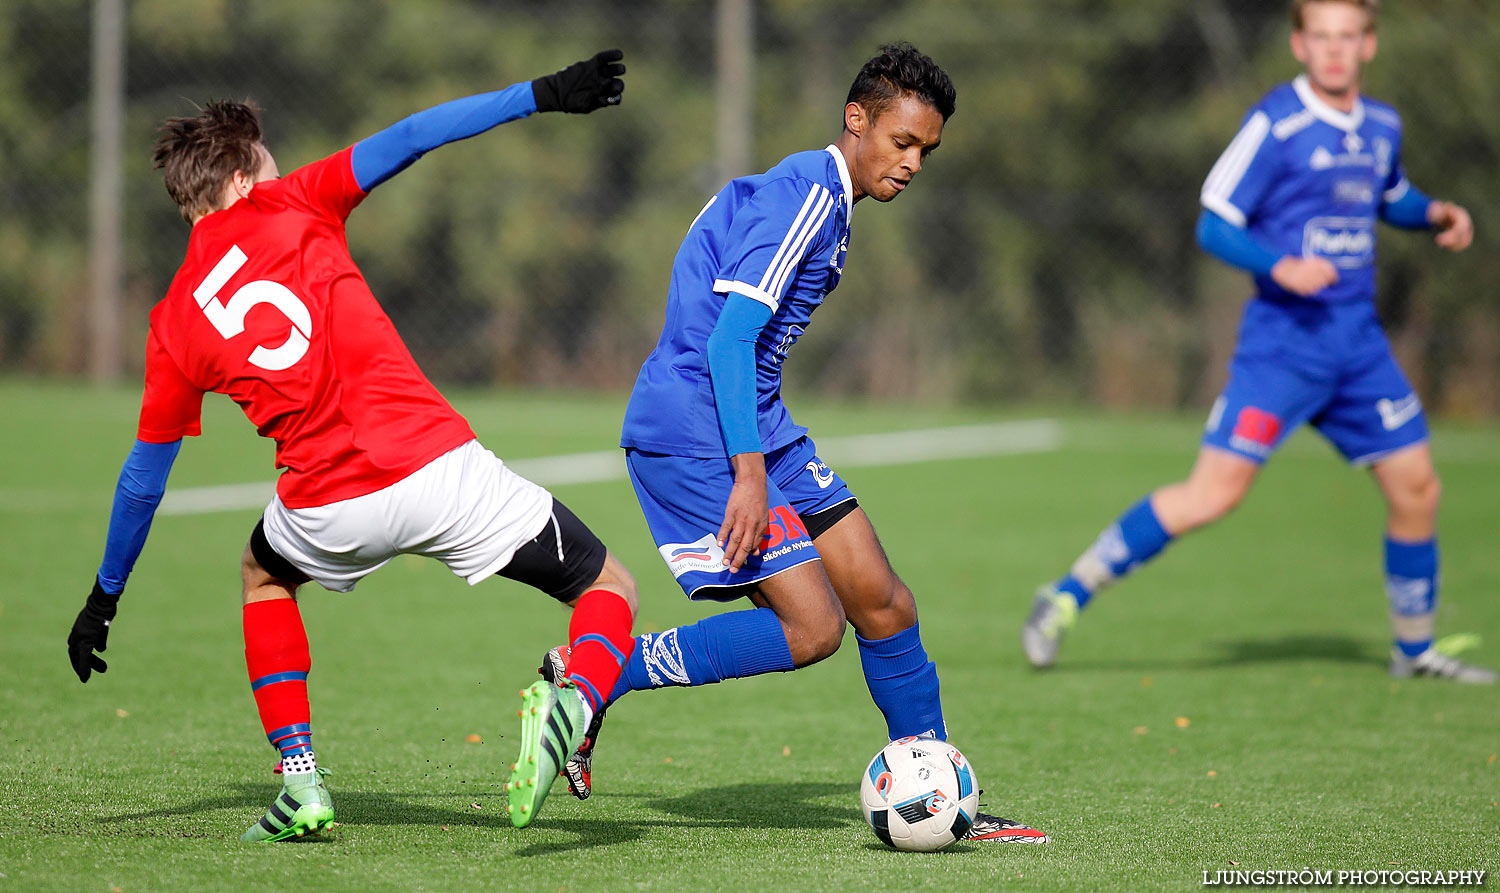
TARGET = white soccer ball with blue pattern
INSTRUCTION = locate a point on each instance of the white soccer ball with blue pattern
(919, 794)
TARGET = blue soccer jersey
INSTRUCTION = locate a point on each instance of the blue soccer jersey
(778, 238)
(1308, 180)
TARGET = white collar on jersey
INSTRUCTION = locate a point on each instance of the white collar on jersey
(838, 159)
(1347, 121)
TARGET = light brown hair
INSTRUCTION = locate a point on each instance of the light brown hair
(200, 154)
(1369, 6)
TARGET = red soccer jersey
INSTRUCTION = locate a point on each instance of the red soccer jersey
(269, 308)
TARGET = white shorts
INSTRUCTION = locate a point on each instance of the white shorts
(464, 508)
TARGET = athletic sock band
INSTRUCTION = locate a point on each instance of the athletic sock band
(1136, 538)
(277, 659)
(599, 643)
(903, 683)
(1411, 585)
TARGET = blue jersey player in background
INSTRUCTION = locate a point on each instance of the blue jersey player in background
(1294, 200)
(737, 499)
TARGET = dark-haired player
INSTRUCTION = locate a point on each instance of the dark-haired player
(733, 490)
(1294, 200)
(269, 308)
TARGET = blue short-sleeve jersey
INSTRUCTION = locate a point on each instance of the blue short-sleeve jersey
(778, 238)
(1308, 180)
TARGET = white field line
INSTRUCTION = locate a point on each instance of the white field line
(897, 448)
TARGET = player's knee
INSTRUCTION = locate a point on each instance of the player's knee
(257, 583)
(884, 611)
(1215, 499)
(817, 635)
(615, 577)
(826, 637)
(1418, 495)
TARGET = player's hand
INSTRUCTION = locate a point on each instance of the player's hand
(1305, 276)
(745, 517)
(1454, 225)
(91, 632)
(583, 86)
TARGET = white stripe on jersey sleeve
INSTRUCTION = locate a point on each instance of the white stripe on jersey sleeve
(1231, 166)
(794, 257)
(791, 236)
(1395, 192)
(726, 286)
(1224, 209)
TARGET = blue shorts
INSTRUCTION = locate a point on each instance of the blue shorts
(1329, 364)
(684, 497)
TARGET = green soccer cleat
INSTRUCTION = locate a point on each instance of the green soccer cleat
(1439, 662)
(552, 728)
(1052, 614)
(304, 807)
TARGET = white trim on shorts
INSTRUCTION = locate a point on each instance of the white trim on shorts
(464, 508)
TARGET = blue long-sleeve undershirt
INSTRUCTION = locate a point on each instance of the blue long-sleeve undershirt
(379, 157)
(731, 367)
(1234, 245)
(143, 480)
(1409, 211)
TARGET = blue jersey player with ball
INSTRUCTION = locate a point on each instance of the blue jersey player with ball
(1294, 200)
(737, 499)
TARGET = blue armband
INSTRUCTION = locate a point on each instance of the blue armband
(1234, 245)
(143, 480)
(381, 156)
(731, 367)
(1409, 211)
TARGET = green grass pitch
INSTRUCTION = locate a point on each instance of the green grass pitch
(1227, 708)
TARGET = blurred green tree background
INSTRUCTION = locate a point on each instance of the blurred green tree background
(1045, 254)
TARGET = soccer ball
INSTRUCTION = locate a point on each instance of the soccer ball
(919, 794)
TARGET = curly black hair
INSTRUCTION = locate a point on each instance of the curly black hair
(900, 70)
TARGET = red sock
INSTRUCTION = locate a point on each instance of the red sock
(599, 634)
(276, 656)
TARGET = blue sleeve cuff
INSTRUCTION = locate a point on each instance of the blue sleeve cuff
(731, 367)
(381, 156)
(143, 480)
(1409, 211)
(1234, 245)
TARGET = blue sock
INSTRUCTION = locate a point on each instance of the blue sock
(724, 646)
(904, 684)
(1133, 540)
(1411, 583)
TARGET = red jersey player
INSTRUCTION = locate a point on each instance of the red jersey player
(269, 308)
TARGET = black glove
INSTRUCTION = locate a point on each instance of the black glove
(583, 86)
(90, 631)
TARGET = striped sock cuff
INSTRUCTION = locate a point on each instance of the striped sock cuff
(291, 740)
(590, 693)
(608, 646)
(273, 678)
